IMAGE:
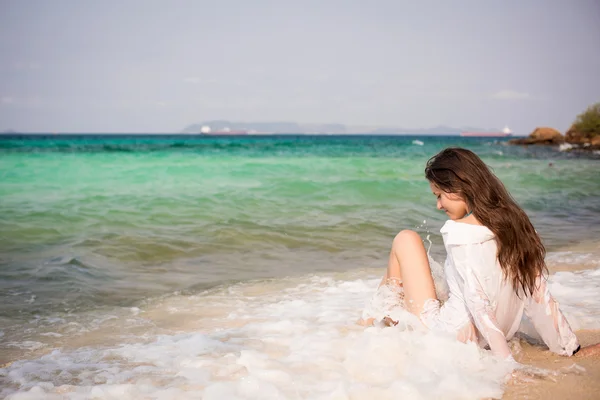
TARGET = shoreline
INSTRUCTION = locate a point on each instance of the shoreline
(555, 376)
(572, 383)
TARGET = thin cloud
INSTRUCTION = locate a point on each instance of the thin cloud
(510, 95)
(7, 100)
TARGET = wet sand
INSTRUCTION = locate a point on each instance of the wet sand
(575, 384)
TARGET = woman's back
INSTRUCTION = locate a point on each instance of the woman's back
(475, 276)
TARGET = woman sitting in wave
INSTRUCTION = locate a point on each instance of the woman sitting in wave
(494, 269)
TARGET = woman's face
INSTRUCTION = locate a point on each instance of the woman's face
(451, 203)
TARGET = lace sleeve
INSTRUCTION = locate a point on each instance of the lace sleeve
(549, 321)
(466, 257)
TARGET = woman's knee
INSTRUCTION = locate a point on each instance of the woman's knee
(406, 239)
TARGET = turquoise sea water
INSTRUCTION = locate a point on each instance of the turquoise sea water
(90, 221)
(150, 266)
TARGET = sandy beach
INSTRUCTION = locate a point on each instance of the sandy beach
(582, 377)
(581, 380)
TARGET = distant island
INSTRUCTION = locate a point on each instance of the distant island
(284, 127)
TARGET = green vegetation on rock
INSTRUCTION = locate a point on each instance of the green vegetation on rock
(587, 123)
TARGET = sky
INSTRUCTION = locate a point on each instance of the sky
(151, 66)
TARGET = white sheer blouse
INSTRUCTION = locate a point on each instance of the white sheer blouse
(479, 295)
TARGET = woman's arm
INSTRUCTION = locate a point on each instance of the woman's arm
(549, 321)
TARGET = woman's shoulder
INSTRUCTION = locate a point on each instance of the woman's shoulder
(460, 233)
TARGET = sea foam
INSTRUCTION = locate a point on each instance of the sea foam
(282, 339)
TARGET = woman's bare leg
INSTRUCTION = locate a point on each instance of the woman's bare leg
(408, 266)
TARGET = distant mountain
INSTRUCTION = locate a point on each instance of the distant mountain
(285, 127)
(437, 130)
(267, 127)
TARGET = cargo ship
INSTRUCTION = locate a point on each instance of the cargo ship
(506, 132)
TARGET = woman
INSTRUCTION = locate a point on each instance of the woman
(494, 269)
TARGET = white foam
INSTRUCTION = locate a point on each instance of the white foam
(27, 344)
(135, 310)
(565, 147)
(573, 258)
(51, 334)
(577, 293)
(282, 339)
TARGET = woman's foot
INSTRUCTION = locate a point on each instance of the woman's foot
(387, 321)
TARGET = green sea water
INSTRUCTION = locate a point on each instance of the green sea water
(99, 221)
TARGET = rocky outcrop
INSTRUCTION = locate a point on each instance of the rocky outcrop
(574, 137)
(580, 140)
(543, 135)
(547, 135)
(583, 136)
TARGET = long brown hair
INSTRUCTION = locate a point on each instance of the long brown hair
(520, 249)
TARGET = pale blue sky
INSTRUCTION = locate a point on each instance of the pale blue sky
(157, 66)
